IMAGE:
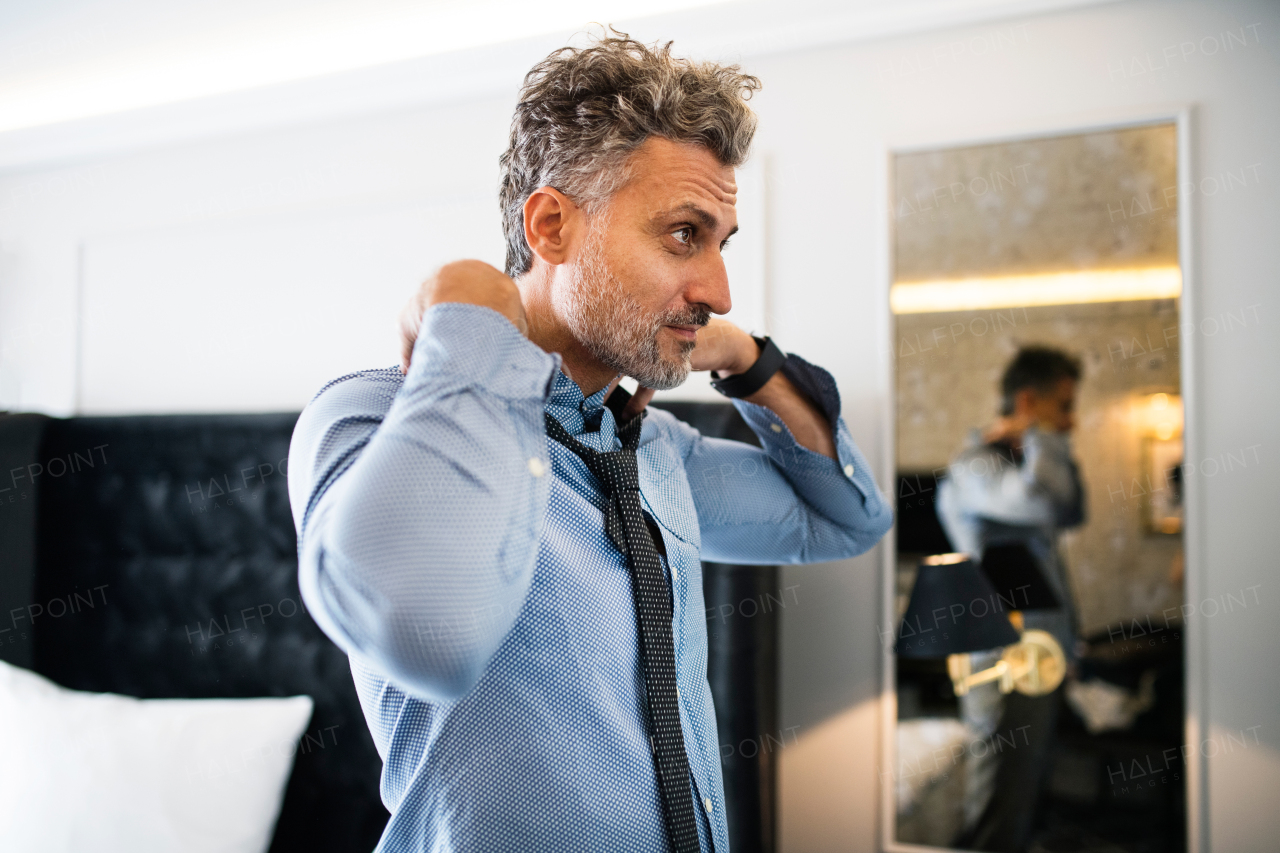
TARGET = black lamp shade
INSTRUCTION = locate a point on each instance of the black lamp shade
(953, 610)
(1016, 576)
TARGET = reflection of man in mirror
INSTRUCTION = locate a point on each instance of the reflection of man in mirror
(1017, 482)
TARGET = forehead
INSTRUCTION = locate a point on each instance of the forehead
(666, 175)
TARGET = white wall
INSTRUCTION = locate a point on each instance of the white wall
(370, 204)
(244, 274)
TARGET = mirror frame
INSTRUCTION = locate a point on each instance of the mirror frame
(1195, 576)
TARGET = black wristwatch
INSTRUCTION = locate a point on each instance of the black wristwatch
(753, 379)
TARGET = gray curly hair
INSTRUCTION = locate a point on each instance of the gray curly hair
(584, 111)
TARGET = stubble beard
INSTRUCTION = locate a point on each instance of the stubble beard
(616, 330)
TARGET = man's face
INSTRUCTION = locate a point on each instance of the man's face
(649, 273)
(1055, 410)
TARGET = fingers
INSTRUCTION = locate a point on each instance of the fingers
(410, 322)
(638, 401)
(636, 404)
(721, 346)
(467, 282)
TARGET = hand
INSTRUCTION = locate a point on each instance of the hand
(724, 347)
(636, 404)
(1008, 428)
(1012, 428)
(469, 282)
(720, 346)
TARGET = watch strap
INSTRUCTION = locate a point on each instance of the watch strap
(753, 379)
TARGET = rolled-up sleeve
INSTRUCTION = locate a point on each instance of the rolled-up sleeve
(784, 503)
(419, 501)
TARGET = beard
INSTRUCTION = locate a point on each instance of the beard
(615, 328)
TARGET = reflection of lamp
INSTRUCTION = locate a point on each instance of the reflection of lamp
(1161, 416)
(955, 610)
(1034, 666)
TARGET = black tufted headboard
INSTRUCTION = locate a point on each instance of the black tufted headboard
(155, 556)
(166, 566)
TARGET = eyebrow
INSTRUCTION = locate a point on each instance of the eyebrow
(706, 219)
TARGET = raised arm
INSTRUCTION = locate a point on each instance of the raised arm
(786, 503)
(727, 350)
(419, 501)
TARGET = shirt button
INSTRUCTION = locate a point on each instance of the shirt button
(775, 427)
(848, 470)
(536, 468)
(706, 801)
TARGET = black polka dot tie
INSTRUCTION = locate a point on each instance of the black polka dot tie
(627, 526)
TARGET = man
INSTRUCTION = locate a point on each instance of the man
(1018, 483)
(506, 544)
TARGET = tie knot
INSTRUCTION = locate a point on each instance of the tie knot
(619, 470)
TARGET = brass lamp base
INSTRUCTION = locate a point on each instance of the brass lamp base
(1035, 666)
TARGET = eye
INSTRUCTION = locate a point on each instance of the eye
(725, 244)
(686, 231)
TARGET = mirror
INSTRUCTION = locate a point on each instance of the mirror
(1035, 303)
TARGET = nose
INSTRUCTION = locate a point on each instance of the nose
(709, 284)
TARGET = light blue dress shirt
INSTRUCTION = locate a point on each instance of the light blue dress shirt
(459, 557)
(989, 497)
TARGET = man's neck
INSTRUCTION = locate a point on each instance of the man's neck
(546, 330)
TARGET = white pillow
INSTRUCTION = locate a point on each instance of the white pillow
(100, 773)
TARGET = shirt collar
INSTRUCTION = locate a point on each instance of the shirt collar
(585, 418)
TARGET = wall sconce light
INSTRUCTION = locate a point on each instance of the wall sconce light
(1162, 416)
(955, 609)
(1034, 666)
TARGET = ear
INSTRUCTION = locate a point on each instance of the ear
(1024, 401)
(551, 224)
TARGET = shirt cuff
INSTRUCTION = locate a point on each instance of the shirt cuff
(816, 383)
(781, 446)
(462, 345)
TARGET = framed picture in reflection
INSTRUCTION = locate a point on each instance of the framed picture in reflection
(1162, 510)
